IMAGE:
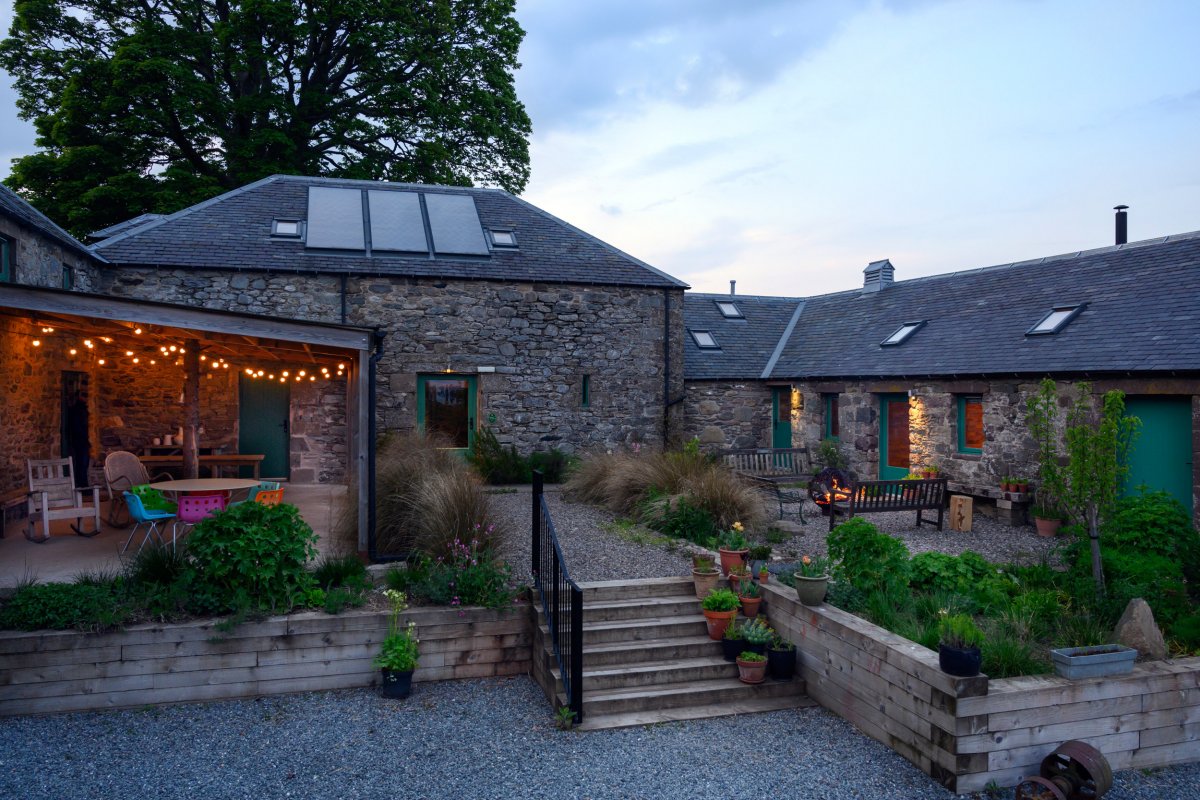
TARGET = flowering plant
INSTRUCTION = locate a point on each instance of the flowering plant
(810, 567)
(734, 538)
(400, 649)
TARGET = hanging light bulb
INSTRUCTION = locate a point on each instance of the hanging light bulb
(225, 365)
(137, 330)
(37, 342)
(88, 344)
(153, 362)
(101, 362)
(312, 377)
(285, 374)
(128, 353)
(203, 358)
(172, 348)
(73, 351)
(136, 360)
(106, 339)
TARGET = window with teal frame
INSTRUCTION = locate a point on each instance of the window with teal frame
(6, 270)
(970, 424)
(832, 426)
(68, 278)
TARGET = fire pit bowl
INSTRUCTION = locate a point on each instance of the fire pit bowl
(828, 485)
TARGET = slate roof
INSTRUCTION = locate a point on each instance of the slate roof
(746, 345)
(232, 231)
(12, 205)
(1142, 315)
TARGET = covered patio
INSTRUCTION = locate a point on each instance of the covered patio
(193, 392)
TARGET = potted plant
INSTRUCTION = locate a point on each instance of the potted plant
(1047, 520)
(1093, 662)
(910, 493)
(720, 606)
(752, 667)
(758, 556)
(758, 635)
(733, 547)
(738, 574)
(781, 659)
(932, 472)
(812, 579)
(704, 575)
(958, 645)
(734, 641)
(399, 652)
(764, 574)
(1021, 485)
(751, 597)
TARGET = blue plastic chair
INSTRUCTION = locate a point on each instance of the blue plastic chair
(144, 516)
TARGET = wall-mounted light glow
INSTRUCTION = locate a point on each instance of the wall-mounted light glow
(137, 330)
(37, 342)
(73, 351)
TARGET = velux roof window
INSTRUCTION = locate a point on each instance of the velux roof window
(1056, 320)
(729, 310)
(502, 237)
(287, 228)
(903, 333)
(705, 340)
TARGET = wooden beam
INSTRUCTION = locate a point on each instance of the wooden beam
(191, 409)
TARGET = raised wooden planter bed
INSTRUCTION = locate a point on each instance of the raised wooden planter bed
(965, 732)
(52, 671)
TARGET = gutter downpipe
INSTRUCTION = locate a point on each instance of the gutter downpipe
(666, 367)
(372, 549)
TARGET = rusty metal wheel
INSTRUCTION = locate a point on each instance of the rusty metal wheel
(1036, 788)
(1085, 767)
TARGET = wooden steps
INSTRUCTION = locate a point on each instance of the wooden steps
(647, 659)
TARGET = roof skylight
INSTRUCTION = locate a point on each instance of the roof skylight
(729, 310)
(903, 333)
(705, 340)
(502, 237)
(1056, 320)
(287, 228)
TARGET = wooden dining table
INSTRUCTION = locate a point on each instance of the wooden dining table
(213, 462)
(196, 485)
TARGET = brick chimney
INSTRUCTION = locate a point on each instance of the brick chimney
(878, 275)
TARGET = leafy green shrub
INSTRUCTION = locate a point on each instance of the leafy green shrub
(1187, 631)
(1157, 579)
(1155, 523)
(251, 556)
(89, 606)
(932, 571)
(720, 600)
(676, 516)
(867, 559)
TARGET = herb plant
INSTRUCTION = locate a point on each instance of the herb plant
(720, 600)
(400, 650)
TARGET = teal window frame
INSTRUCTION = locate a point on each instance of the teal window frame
(6, 267)
(585, 392)
(963, 400)
(830, 404)
(68, 277)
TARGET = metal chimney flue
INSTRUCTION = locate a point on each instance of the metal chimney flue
(1122, 224)
(732, 287)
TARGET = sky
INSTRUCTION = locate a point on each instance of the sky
(788, 144)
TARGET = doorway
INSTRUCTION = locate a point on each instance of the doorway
(781, 416)
(74, 424)
(446, 408)
(893, 436)
(1161, 456)
(264, 409)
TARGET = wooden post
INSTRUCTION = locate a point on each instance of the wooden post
(191, 409)
(961, 513)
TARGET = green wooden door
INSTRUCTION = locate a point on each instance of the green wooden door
(1161, 457)
(781, 416)
(446, 408)
(263, 412)
(893, 436)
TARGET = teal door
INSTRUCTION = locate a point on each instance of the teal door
(893, 436)
(1161, 457)
(781, 416)
(446, 409)
(263, 412)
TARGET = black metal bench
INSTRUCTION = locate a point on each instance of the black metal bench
(772, 469)
(868, 497)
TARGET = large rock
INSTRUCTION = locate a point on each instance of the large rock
(1136, 629)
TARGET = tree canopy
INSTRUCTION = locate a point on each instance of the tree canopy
(151, 106)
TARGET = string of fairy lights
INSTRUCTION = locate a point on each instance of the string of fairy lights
(104, 351)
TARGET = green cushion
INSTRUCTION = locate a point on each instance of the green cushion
(153, 500)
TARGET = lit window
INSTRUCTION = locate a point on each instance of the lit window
(1056, 320)
(705, 340)
(729, 310)
(832, 428)
(503, 238)
(970, 424)
(903, 333)
(286, 228)
(585, 395)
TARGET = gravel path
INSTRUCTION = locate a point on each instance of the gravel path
(463, 740)
(597, 549)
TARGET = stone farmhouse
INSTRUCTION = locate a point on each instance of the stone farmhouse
(937, 370)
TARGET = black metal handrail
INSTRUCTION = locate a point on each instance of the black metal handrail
(562, 600)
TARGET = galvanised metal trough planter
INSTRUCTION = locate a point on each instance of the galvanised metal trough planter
(1093, 662)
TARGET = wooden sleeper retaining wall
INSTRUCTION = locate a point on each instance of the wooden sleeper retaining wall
(54, 671)
(965, 732)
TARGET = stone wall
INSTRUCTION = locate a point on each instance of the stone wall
(29, 401)
(726, 415)
(38, 260)
(319, 441)
(529, 343)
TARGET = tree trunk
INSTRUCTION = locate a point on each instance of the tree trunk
(191, 409)
(1093, 523)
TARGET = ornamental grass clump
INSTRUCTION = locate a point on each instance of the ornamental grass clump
(959, 631)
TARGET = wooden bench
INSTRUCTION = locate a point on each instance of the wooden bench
(772, 469)
(867, 497)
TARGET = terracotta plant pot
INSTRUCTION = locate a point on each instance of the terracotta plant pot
(764, 577)
(959, 661)
(752, 671)
(705, 582)
(750, 605)
(731, 557)
(1047, 527)
(396, 684)
(735, 582)
(718, 621)
(811, 591)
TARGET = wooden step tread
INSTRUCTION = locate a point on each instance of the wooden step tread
(649, 666)
(683, 687)
(645, 622)
(597, 722)
(646, 644)
(632, 585)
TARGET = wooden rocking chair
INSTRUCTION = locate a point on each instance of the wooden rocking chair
(52, 495)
